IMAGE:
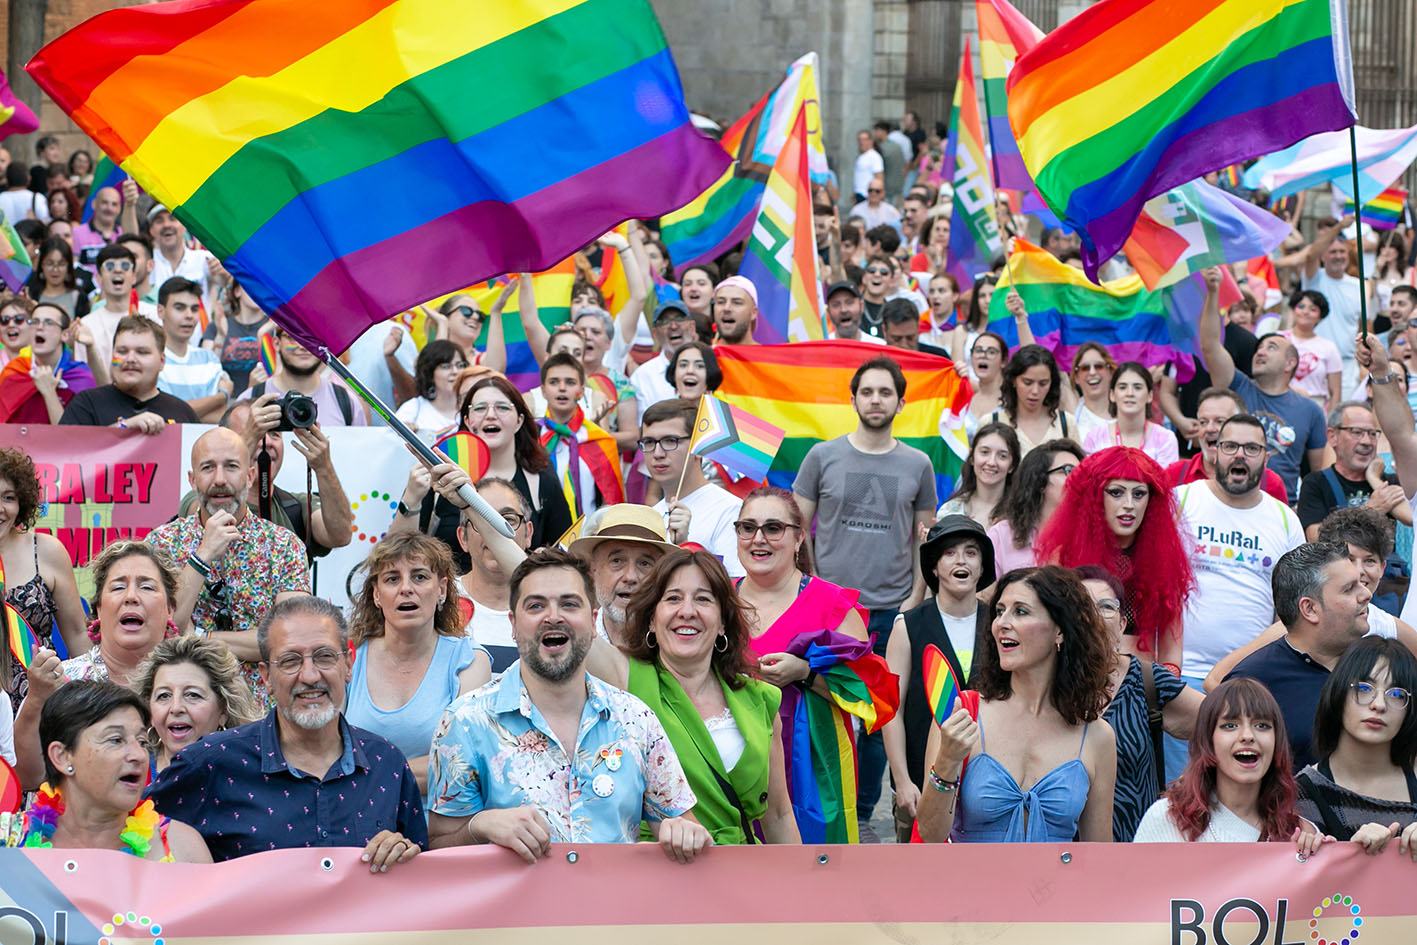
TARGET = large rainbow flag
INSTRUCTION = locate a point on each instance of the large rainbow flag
(805, 389)
(781, 258)
(1004, 35)
(1131, 98)
(347, 160)
(974, 230)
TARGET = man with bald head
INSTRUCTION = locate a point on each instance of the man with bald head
(1293, 424)
(113, 215)
(233, 564)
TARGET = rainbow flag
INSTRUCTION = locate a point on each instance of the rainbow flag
(974, 230)
(588, 448)
(18, 633)
(805, 389)
(17, 387)
(16, 118)
(1384, 211)
(269, 360)
(322, 150)
(1065, 310)
(613, 283)
(722, 215)
(734, 438)
(105, 174)
(781, 258)
(1004, 35)
(1131, 98)
(15, 265)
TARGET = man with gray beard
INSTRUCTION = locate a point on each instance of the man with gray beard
(302, 776)
(234, 564)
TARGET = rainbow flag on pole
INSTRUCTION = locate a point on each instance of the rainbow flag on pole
(1131, 98)
(805, 389)
(781, 258)
(1384, 211)
(1383, 155)
(734, 438)
(974, 230)
(1004, 35)
(347, 160)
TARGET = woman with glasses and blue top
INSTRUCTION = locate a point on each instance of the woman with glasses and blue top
(1365, 736)
(411, 658)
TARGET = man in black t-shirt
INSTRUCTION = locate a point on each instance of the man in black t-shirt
(1353, 432)
(132, 400)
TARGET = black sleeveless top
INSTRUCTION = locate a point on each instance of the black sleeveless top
(924, 626)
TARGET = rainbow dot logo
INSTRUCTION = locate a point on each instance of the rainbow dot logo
(373, 502)
(132, 925)
(1335, 906)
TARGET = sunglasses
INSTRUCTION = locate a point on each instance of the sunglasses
(772, 529)
(117, 265)
(13, 320)
(467, 311)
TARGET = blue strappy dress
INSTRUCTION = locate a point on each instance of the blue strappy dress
(994, 809)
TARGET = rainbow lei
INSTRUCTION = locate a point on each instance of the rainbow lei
(43, 817)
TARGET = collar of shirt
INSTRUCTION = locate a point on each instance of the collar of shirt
(273, 758)
(511, 696)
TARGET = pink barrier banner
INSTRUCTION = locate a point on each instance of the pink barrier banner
(99, 485)
(1168, 894)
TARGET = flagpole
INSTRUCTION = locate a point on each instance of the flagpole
(1358, 218)
(425, 455)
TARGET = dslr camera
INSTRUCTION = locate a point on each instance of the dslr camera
(297, 412)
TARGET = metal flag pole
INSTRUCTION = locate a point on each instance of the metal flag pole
(425, 454)
(1358, 218)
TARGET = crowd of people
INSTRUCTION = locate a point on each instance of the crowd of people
(1178, 610)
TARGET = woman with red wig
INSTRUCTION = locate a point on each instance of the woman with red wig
(1238, 787)
(1117, 512)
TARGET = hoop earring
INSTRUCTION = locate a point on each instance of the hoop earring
(722, 638)
(650, 641)
(93, 630)
(1059, 645)
(171, 631)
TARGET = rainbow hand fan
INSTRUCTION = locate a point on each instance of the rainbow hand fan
(468, 452)
(268, 353)
(941, 687)
(20, 635)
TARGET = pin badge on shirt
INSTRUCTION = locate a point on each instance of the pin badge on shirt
(611, 755)
(603, 785)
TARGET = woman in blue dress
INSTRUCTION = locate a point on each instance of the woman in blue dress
(1038, 763)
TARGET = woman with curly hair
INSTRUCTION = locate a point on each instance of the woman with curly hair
(193, 687)
(1117, 512)
(1043, 685)
(411, 658)
(1037, 491)
(688, 660)
(1237, 787)
(39, 578)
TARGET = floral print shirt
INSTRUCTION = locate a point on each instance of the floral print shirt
(88, 665)
(493, 749)
(264, 560)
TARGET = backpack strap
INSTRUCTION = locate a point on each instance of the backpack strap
(346, 407)
(1335, 488)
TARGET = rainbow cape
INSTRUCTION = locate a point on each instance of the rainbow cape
(1131, 98)
(781, 257)
(1004, 35)
(805, 389)
(974, 229)
(588, 449)
(1382, 212)
(734, 438)
(15, 265)
(16, 118)
(322, 151)
(17, 387)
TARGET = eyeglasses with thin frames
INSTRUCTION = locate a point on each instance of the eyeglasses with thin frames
(1365, 692)
(325, 659)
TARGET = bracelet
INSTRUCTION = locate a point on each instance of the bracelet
(940, 784)
(200, 566)
(811, 678)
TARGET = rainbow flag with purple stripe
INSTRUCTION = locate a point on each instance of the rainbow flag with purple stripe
(1004, 35)
(735, 439)
(334, 157)
(1384, 211)
(974, 229)
(15, 265)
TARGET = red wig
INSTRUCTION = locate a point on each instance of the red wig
(1155, 570)
(1192, 793)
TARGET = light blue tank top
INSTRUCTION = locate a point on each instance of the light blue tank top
(992, 806)
(410, 727)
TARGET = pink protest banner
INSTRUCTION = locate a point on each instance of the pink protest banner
(1099, 894)
(99, 485)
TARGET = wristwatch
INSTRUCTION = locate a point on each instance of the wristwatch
(1386, 379)
(405, 511)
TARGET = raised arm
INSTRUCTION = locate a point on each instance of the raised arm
(1217, 359)
(642, 296)
(495, 356)
(536, 334)
(1314, 252)
(907, 793)
(1390, 405)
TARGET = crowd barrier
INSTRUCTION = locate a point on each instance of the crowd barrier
(1090, 894)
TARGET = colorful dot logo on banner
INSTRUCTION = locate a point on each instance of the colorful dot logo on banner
(467, 452)
(131, 925)
(1335, 906)
(372, 501)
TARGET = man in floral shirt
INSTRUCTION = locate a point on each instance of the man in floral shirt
(235, 564)
(546, 753)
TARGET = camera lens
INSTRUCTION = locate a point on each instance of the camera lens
(301, 412)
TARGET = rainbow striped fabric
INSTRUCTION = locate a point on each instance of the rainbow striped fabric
(15, 265)
(941, 687)
(805, 389)
(333, 155)
(734, 438)
(105, 174)
(588, 449)
(19, 635)
(974, 230)
(781, 257)
(1131, 98)
(1384, 211)
(1004, 35)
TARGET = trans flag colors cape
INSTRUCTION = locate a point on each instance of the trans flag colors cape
(805, 388)
(16, 118)
(781, 257)
(1383, 155)
(334, 155)
(711, 223)
(1131, 98)
(974, 231)
(1004, 35)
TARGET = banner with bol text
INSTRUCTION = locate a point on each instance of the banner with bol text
(985, 894)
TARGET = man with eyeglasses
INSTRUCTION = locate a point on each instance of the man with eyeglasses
(1323, 604)
(234, 564)
(665, 441)
(1236, 533)
(93, 333)
(673, 328)
(1216, 405)
(302, 776)
(40, 392)
(1353, 431)
(301, 371)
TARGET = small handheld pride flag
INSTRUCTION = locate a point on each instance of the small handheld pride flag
(1384, 211)
(468, 452)
(941, 687)
(21, 636)
(603, 384)
(268, 353)
(734, 438)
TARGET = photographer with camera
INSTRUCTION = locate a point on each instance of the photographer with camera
(307, 389)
